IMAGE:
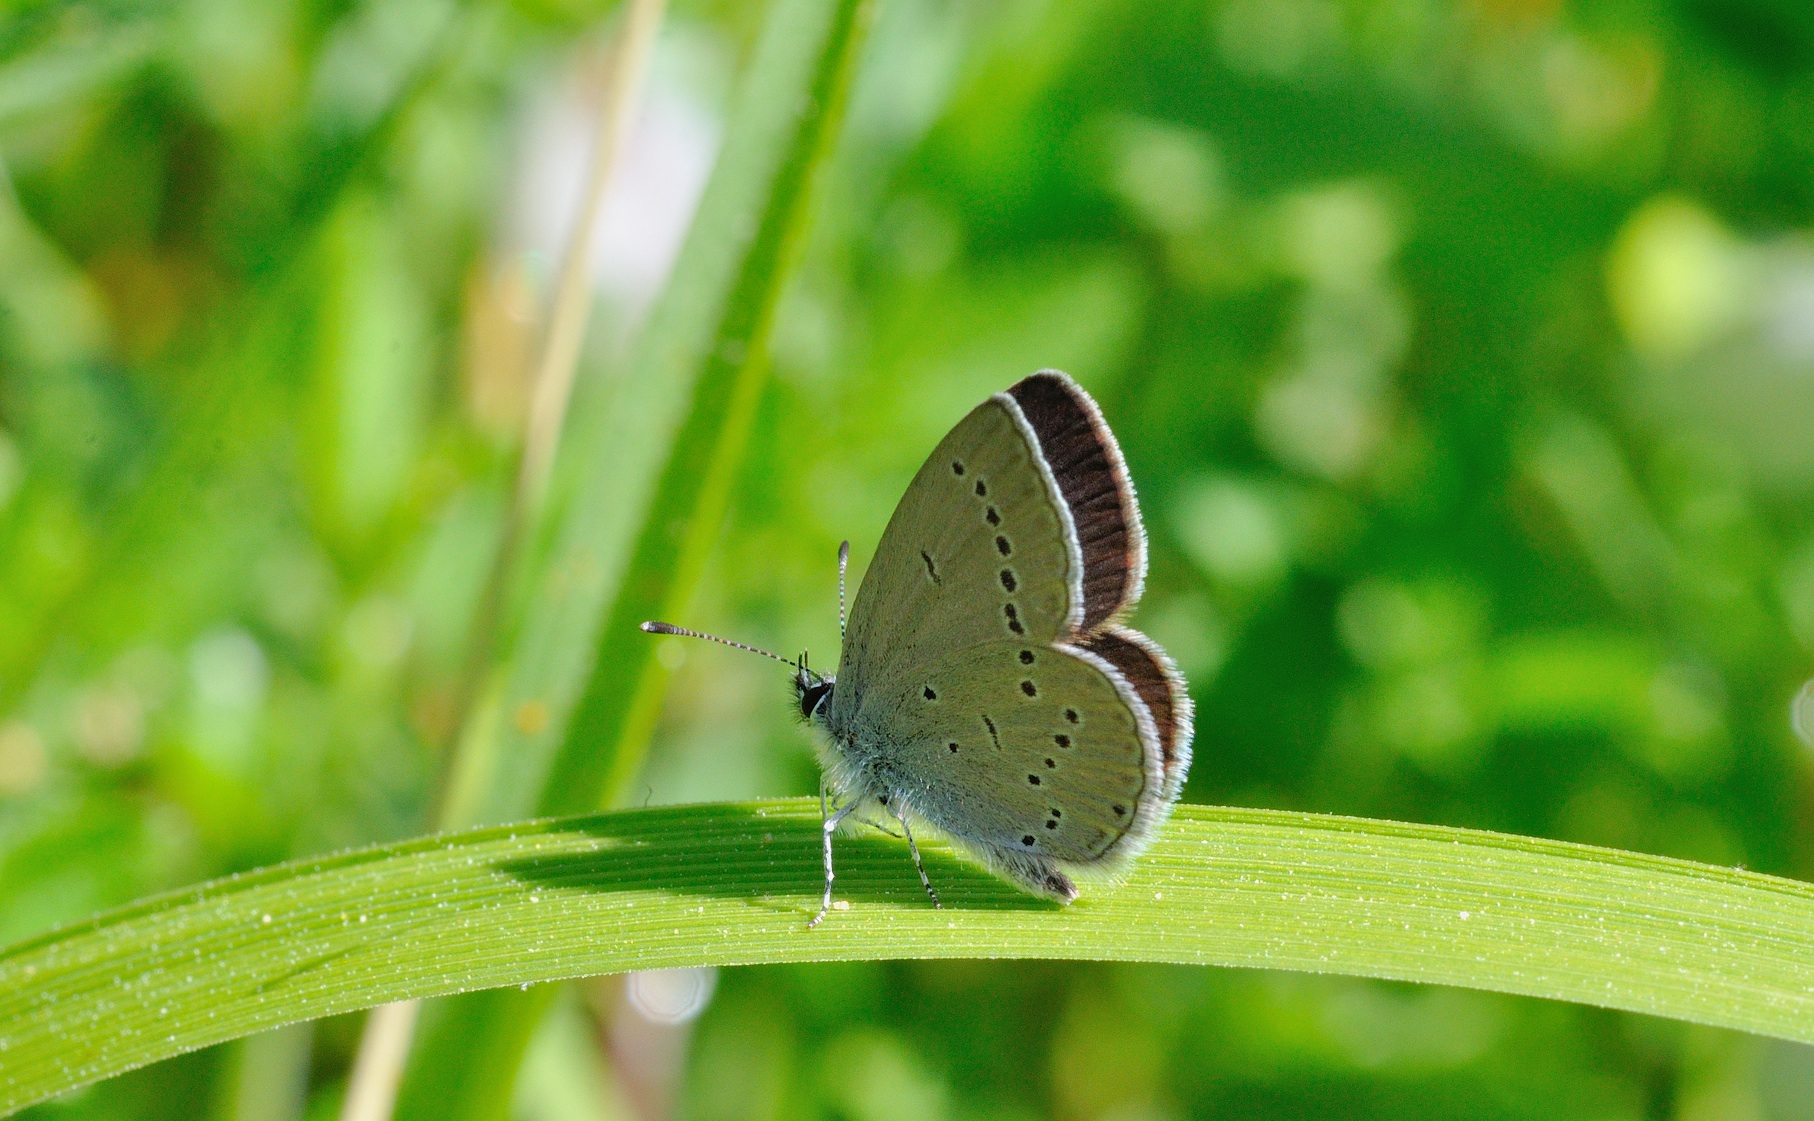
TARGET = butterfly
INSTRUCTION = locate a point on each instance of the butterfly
(988, 685)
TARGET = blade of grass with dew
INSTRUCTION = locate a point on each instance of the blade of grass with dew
(670, 442)
(734, 884)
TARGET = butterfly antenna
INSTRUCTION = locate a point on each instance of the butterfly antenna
(843, 563)
(653, 627)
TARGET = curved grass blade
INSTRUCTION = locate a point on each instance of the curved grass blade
(734, 884)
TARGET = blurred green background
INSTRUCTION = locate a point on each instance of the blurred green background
(1462, 350)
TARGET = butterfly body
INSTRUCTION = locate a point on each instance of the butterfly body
(986, 684)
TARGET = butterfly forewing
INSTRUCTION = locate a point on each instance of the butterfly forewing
(979, 549)
(1083, 458)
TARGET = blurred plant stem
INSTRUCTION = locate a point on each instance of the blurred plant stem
(633, 537)
(269, 1076)
(390, 1030)
(551, 389)
(573, 298)
(371, 1091)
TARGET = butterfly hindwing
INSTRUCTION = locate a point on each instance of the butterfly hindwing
(1154, 677)
(1022, 749)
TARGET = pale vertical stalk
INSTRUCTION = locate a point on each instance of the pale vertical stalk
(371, 1090)
(553, 385)
(384, 1047)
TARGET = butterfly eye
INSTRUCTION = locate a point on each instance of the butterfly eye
(812, 697)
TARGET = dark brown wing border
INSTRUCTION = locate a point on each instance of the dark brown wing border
(1086, 462)
(1160, 686)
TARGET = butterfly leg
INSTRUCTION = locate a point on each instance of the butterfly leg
(830, 827)
(919, 865)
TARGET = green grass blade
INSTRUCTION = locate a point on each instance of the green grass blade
(735, 884)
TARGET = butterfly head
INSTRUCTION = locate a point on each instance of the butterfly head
(812, 692)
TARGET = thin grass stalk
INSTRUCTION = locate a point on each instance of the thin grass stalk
(389, 1032)
(675, 438)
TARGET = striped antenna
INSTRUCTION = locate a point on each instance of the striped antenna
(653, 627)
(843, 563)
